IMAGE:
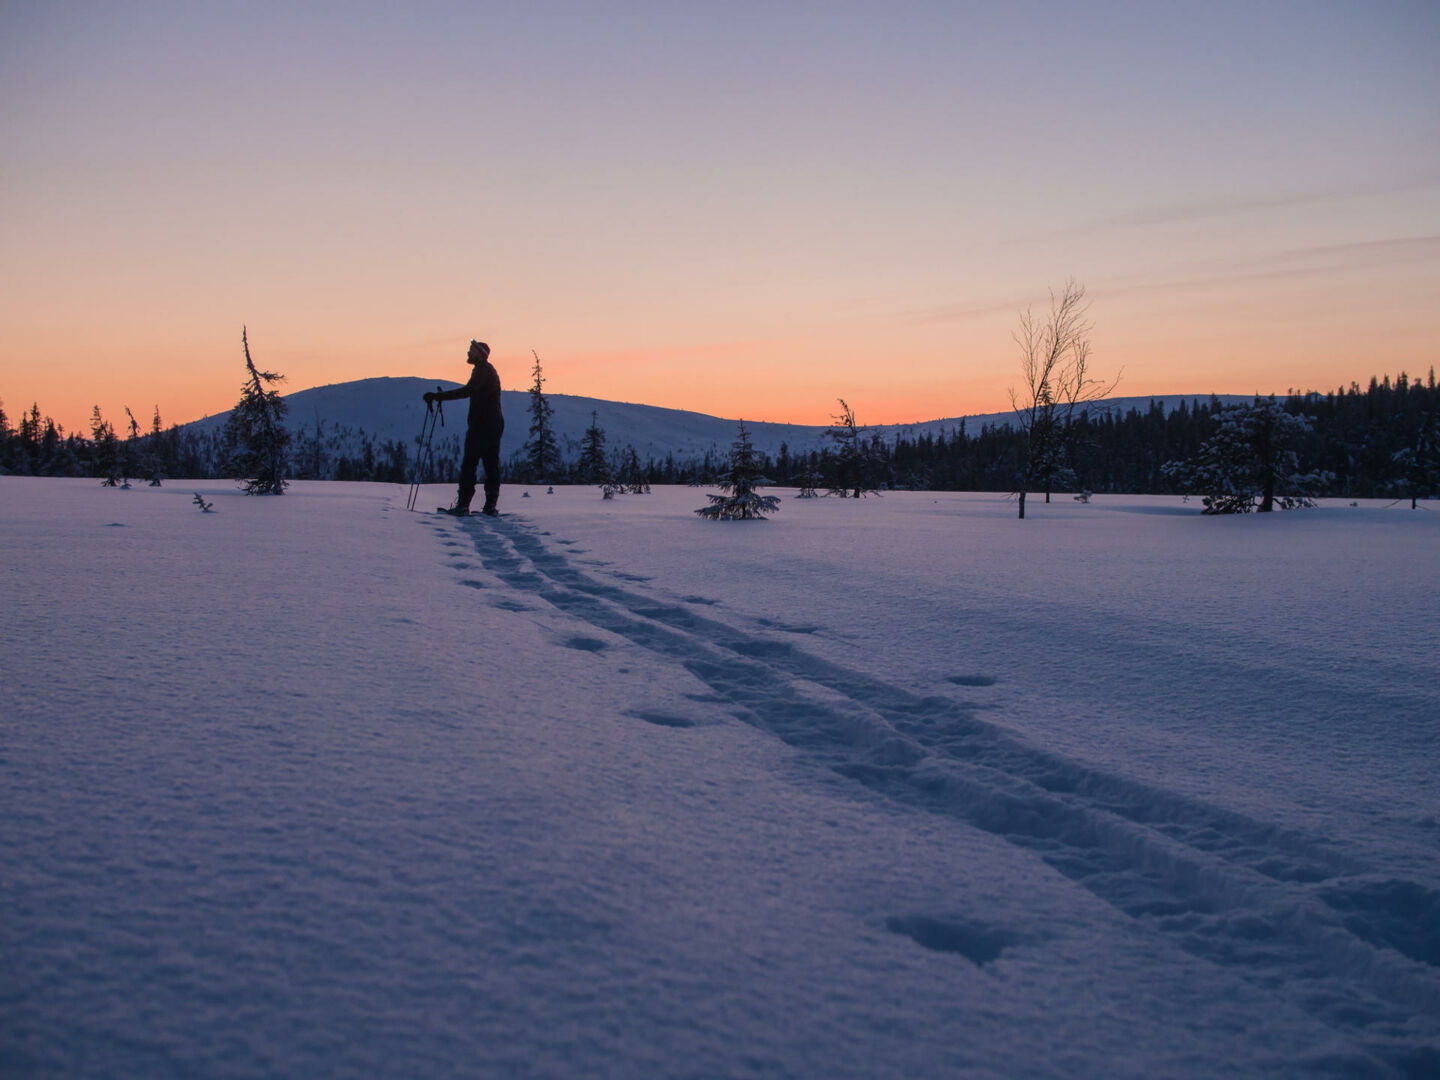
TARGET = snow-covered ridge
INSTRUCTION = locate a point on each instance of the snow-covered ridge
(391, 409)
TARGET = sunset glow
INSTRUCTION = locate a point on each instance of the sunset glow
(741, 209)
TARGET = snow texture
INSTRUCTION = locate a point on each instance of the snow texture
(312, 786)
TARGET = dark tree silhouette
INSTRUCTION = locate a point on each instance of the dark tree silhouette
(255, 435)
(542, 451)
(1055, 378)
(1417, 467)
(594, 467)
(1250, 457)
(849, 472)
(108, 462)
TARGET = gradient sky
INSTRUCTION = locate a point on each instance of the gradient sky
(746, 209)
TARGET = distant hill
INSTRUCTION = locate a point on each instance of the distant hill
(391, 410)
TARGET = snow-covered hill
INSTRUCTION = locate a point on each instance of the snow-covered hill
(391, 410)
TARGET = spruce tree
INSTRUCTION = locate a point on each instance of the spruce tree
(593, 467)
(6, 436)
(1417, 468)
(1250, 457)
(632, 473)
(255, 435)
(849, 472)
(743, 502)
(106, 449)
(542, 451)
(153, 464)
(130, 455)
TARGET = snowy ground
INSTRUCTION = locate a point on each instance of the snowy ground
(312, 786)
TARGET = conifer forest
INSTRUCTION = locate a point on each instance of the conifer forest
(1363, 442)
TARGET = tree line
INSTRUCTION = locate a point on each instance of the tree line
(1376, 441)
(1367, 441)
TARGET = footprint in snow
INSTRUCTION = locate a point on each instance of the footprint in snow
(585, 644)
(661, 719)
(788, 628)
(978, 942)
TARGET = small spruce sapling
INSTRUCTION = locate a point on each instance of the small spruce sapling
(632, 473)
(743, 502)
(809, 480)
(205, 507)
(594, 467)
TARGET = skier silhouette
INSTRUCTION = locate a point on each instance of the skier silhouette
(482, 436)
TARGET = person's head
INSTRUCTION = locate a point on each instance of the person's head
(478, 351)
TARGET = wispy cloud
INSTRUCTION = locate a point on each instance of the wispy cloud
(1292, 263)
(1312, 261)
(1232, 206)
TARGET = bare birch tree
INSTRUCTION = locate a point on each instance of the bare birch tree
(1055, 378)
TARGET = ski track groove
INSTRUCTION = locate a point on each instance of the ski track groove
(1269, 902)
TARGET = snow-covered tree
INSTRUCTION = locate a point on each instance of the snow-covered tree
(542, 452)
(1248, 458)
(256, 438)
(108, 461)
(1417, 468)
(742, 502)
(594, 467)
(631, 474)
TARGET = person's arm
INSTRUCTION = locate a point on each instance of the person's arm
(447, 395)
(451, 395)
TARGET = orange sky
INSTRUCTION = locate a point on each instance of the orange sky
(746, 216)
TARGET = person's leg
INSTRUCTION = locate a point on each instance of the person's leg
(491, 459)
(468, 465)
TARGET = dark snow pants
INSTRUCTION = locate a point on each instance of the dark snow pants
(482, 444)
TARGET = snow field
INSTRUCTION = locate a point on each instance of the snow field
(315, 786)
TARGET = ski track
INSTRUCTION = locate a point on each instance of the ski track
(1288, 911)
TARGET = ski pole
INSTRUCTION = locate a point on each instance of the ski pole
(425, 457)
(420, 443)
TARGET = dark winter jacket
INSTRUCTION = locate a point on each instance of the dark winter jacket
(483, 390)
